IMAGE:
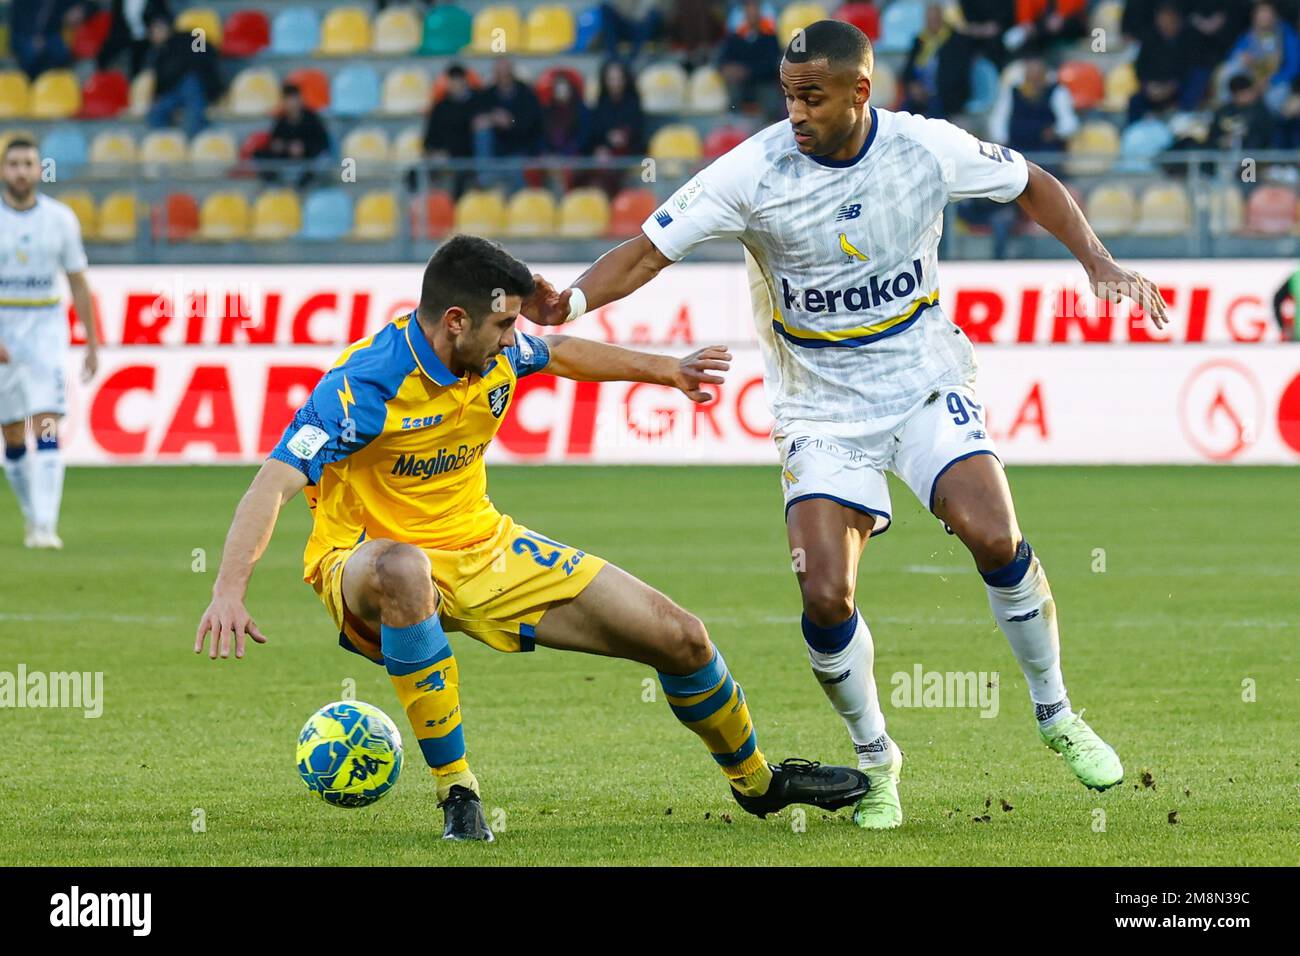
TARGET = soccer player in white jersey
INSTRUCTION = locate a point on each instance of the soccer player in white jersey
(840, 209)
(39, 237)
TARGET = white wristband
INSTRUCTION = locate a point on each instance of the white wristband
(577, 304)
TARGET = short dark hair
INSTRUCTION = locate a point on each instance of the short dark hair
(470, 272)
(842, 45)
(456, 72)
(1239, 83)
(20, 141)
(291, 89)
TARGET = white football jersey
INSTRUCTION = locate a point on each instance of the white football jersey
(843, 258)
(37, 244)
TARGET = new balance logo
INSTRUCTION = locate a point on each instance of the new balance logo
(1021, 618)
(663, 218)
(848, 211)
(839, 679)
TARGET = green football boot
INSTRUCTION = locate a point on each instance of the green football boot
(1093, 760)
(880, 809)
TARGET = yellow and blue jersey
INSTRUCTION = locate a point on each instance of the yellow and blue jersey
(392, 443)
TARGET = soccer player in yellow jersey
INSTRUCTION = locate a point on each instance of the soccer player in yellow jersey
(406, 545)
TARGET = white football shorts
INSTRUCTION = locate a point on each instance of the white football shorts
(33, 379)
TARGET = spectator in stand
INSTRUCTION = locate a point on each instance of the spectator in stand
(1034, 116)
(449, 130)
(1164, 66)
(1043, 24)
(616, 127)
(750, 59)
(184, 78)
(129, 33)
(982, 24)
(1268, 53)
(564, 120)
(297, 137)
(635, 22)
(36, 34)
(1287, 134)
(922, 72)
(1245, 122)
(1216, 24)
(507, 121)
(696, 27)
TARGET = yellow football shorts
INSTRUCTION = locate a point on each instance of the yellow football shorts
(495, 591)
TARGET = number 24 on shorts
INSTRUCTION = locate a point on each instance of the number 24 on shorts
(527, 544)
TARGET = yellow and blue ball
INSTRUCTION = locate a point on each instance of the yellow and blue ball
(349, 753)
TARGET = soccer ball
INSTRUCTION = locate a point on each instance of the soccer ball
(350, 753)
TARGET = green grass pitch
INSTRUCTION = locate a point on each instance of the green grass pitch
(1197, 604)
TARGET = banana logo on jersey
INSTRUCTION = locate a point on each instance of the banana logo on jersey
(848, 249)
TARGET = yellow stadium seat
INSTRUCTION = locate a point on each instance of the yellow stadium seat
(1111, 210)
(1108, 15)
(796, 16)
(531, 214)
(277, 215)
(212, 147)
(14, 94)
(706, 91)
(83, 204)
(676, 141)
(200, 18)
(584, 214)
(345, 31)
(409, 145)
(406, 92)
(481, 213)
(1093, 149)
(4, 41)
(118, 218)
(663, 88)
(376, 216)
(497, 29)
(140, 97)
(162, 147)
(223, 216)
(366, 144)
(255, 91)
(397, 31)
(1121, 84)
(55, 94)
(550, 29)
(1227, 210)
(1164, 210)
(111, 148)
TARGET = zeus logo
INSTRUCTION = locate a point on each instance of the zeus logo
(345, 396)
(876, 292)
(848, 211)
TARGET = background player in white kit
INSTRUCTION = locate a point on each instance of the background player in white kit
(39, 237)
(840, 212)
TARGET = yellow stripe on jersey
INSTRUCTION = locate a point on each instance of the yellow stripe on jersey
(28, 303)
(862, 332)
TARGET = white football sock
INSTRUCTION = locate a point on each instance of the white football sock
(47, 487)
(1027, 615)
(846, 678)
(19, 473)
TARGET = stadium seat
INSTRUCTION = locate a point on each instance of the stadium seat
(212, 148)
(248, 33)
(630, 209)
(1164, 210)
(162, 147)
(345, 31)
(113, 148)
(795, 17)
(1084, 81)
(397, 31)
(118, 220)
(55, 94)
(66, 146)
(531, 214)
(662, 87)
(89, 36)
(277, 215)
(254, 141)
(367, 145)
(447, 30)
(200, 18)
(1271, 211)
(295, 32)
(15, 94)
(178, 219)
(255, 91)
(588, 26)
(354, 91)
(376, 217)
(1093, 149)
(432, 215)
(984, 86)
(1120, 84)
(5, 52)
(1108, 15)
(327, 215)
(481, 213)
(549, 29)
(105, 94)
(706, 92)
(584, 214)
(676, 141)
(140, 97)
(1141, 142)
(314, 85)
(223, 217)
(1111, 210)
(83, 204)
(406, 92)
(722, 140)
(884, 86)
(1226, 210)
(408, 147)
(497, 29)
(900, 22)
(864, 16)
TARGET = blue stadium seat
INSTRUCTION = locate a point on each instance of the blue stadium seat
(900, 22)
(327, 215)
(1140, 142)
(295, 32)
(983, 86)
(66, 145)
(354, 91)
(589, 24)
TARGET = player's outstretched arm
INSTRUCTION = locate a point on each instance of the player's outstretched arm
(587, 361)
(615, 275)
(250, 533)
(1050, 205)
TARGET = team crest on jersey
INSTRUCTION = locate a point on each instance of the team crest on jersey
(498, 398)
(850, 210)
(850, 250)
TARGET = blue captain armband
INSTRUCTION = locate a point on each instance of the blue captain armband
(529, 354)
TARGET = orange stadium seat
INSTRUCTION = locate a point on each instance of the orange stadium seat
(118, 218)
(433, 215)
(864, 16)
(314, 85)
(248, 32)
(345, 31)
(1084, 81)
(55, 95)
(105, 94)
(89, 35)
(177, 219)
(630, 208)
(1271, 211)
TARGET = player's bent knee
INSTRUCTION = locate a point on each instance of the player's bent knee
(397, 569)
(992, 547)
(689, 645)
(827, 603)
